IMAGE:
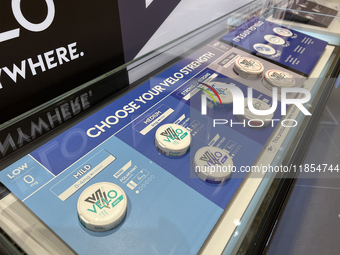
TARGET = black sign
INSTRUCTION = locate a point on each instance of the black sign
(140, 19)
(42, 122)
(48, 47)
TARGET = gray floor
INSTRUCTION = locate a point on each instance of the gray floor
(310, 222)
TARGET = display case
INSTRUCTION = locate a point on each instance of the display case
(184, 93)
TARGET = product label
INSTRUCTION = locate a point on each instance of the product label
(153, 119)
(84, 173)
(282, 78)
(250, 64)
(100, 200)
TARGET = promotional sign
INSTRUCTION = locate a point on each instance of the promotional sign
(283, 46)
(114, 145)
(49, 47)
(123, 177)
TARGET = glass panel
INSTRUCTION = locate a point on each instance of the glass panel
(250, 205)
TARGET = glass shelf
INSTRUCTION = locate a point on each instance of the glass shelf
(245, 223)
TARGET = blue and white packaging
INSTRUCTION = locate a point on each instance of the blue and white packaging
(289, 48)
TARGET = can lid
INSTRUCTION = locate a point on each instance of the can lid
(102, 206)
(224, 93)
(212, 164)
(248, 67)
(255, 120)
(264, 49)
(172, 140)
(283, 31)
(279, 79)
(274, 39)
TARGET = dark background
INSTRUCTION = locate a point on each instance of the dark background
(93, 25)
(140, 23)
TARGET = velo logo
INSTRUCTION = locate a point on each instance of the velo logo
(172, 134)
(100, 199)
(20, 18)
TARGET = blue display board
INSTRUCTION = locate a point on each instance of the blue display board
(285, 46)
(170, 210)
